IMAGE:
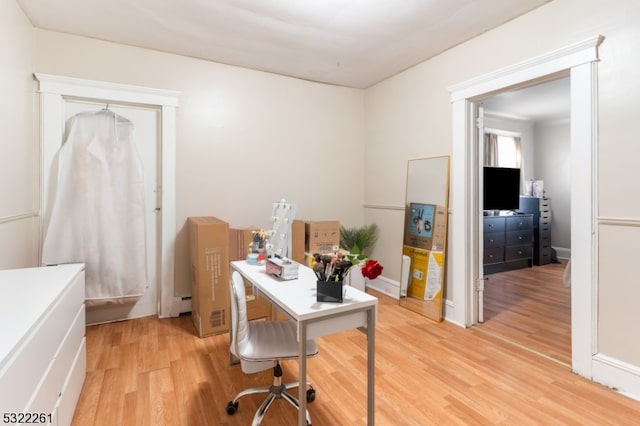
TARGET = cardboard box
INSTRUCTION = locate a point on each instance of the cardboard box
(239, 244)
(322, 236)
(425, 274)
(209, 258)
(425, 227)
(257, 306)
(297, 242)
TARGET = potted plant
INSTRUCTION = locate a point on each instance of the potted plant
(358, 242)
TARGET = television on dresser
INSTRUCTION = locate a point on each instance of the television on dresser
(501, 188)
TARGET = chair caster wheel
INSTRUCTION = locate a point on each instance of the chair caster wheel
(311, 395)
(232, 408)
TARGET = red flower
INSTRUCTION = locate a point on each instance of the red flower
(371, 269)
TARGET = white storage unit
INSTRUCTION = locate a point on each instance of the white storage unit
(42, 348)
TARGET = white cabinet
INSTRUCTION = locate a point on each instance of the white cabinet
(42, 348)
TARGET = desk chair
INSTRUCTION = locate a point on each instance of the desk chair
(261, 345)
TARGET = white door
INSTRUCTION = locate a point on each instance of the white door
(146, 138)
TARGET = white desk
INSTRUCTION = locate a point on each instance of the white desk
(297, 299)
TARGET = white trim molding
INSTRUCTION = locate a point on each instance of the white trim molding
(579, 61)
(616, 374)
(13, 218)
(545, 66)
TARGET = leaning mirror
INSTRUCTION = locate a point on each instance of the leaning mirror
(425, 236)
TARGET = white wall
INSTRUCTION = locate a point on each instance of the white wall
(19, 222)
(552, 154)
(245, 138)
(410, 115)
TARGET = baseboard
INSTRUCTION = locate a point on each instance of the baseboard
(385, 285)
(607, 371)
(563, 252)
(180, 305)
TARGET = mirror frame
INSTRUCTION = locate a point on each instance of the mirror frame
(424, 239)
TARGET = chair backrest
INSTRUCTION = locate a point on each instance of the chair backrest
(239, 322)
(240, 330)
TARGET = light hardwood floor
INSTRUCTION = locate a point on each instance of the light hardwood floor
(531, 307)
(157, 372)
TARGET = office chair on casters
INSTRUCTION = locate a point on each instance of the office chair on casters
(261, 345)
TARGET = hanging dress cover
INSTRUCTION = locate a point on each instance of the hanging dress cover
(97, 215)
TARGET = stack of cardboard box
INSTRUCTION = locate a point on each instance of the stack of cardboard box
(213, 244)
(424, 245)
(239, 245)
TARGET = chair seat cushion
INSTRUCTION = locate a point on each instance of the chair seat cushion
(272, 340)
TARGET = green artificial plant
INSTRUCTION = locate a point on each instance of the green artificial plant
(359, 240)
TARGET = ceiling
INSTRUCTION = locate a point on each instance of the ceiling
(353, 43)
(545, 101)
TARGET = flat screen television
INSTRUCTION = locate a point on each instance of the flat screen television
(501, 188)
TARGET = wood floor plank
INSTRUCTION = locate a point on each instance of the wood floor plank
(427, 373)
(531, 307)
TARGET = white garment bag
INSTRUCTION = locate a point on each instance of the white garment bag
(97, 215)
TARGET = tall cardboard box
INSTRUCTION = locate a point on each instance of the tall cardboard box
(239, 243)
(209, 258)
(240, 240)
(322, 236)
(425, 226)
(425, 278)
(298, 241)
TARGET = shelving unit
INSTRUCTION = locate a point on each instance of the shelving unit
(540, 208)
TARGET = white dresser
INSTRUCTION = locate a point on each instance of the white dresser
(42, 343)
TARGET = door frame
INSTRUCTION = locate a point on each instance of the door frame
(579, 61)
(53, 89)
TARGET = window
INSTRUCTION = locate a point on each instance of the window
(508, 154)
(502, 151)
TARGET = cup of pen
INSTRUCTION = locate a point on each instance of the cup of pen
(329, 291)
(330, 271)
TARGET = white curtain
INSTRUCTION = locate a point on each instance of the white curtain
(494, 145)
(490, 149)
(97, 215)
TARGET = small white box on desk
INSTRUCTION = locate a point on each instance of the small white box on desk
(282, 268)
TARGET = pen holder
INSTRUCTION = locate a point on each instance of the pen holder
(329, 291)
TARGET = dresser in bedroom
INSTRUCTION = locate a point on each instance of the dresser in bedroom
(507, 242)
(42, 350)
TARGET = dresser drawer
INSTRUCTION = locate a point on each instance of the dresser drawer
(544, 225)
(544, 239)
(545, 204)
(517, 223)
(72, 386)
(493, 255)
(524, 251)
(519, 237)
(493, 224)
(544, 257)
(493, 239)
(69, 347)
